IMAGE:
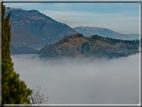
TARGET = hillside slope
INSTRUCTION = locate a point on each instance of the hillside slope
(22, 50)
(38, 24)
(96, 46)
(22, 38)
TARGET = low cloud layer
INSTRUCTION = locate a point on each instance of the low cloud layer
(82, 80)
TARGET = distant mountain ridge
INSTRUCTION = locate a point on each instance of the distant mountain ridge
(32, 29)
(37, 24)
(33, 14)
(88, 31)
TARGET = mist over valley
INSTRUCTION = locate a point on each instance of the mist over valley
(82, 80)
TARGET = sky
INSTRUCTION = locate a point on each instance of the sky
(82, 80)
(120, 17)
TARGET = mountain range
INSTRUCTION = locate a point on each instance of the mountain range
(89, 31)
(32, 29)
(35, 27)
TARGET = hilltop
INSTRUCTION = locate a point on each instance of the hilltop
(96, 46)
(37, 24)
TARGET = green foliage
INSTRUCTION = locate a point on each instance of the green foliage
(85, 48)
(96, 37)
(113, 41)
(132, 47)
(14, 91)
(79, 35)
(6, 32)
(66, 39)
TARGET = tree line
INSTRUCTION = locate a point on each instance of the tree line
(97, 37)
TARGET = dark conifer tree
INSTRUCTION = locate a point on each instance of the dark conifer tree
(14, 91)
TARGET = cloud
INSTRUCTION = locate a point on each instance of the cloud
(82, 80)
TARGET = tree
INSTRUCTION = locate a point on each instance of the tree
(96, 37)
(14, 91)
(79, 35)
(6, 35)
(37, 97)
(85, 48)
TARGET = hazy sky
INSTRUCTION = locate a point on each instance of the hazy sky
(120, 17)
(82, 80)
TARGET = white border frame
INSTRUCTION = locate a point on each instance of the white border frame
(96, 1)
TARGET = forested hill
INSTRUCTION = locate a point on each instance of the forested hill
(96, 46)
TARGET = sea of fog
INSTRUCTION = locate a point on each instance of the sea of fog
(82, 80)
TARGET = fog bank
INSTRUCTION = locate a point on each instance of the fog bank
(82, 80)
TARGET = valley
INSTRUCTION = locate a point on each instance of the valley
(77, 53)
